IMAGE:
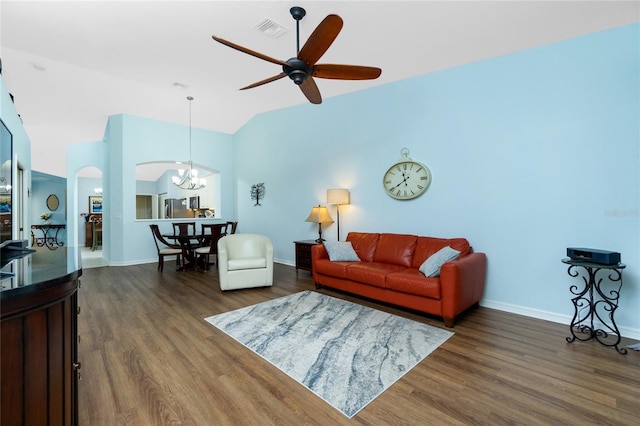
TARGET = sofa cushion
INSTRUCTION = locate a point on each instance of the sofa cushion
(413, 281)
(431, 266)
(364, 243)
(332, 269)
(341, 251)
(246, 263)
(396, 249)
(371, 273)
(427, 246)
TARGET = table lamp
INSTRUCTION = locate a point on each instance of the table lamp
(319, 215)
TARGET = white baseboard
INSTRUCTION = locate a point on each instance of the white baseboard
(631, 333)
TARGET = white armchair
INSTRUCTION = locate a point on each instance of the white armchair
(244, 261)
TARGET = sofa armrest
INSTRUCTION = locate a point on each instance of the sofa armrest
(462, 284)
(318, 252)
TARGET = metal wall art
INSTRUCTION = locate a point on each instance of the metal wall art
(257, 192)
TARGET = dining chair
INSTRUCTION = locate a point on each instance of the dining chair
(212, 233)
(168, 249)
(184, 228)
(231, 227)
(96, 232)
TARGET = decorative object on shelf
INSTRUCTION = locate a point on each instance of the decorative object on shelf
(45, 217)
(97, 191)
(53, 202)
(257, 192)
(188, 179)
(95, 205)
(338, 196)
(406, 179)
(319, 215)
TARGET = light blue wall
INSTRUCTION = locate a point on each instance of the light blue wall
(132, 140)
(530, 153)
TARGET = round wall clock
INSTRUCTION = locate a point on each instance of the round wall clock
(406, 179)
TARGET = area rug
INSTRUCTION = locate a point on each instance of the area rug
(345, 353)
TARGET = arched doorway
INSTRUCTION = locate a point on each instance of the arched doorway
(91, 239)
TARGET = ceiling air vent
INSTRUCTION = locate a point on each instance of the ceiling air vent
(270, 28)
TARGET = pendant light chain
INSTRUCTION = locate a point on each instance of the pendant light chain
(189, 179)
(190, 98)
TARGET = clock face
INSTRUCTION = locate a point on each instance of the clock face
(406, 180)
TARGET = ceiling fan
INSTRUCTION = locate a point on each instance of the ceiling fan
(303, 67)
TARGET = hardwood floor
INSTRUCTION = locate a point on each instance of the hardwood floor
(149, 358)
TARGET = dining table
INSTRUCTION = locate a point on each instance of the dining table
(189, 243)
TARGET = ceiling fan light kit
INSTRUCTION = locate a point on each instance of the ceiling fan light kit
(302, 68)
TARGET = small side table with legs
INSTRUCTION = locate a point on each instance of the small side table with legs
(595, 304)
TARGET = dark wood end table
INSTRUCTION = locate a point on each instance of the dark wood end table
(303, 254)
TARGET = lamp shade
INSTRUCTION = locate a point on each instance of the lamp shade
(337, 196)
(319, 215)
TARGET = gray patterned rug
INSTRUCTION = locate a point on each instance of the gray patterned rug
(347, 354)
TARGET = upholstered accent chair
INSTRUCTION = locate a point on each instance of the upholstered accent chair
(245, 261)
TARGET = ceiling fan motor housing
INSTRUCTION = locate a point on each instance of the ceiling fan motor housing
(297, 70)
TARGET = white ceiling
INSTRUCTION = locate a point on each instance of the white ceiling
(71, 64)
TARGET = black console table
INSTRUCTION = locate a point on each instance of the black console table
(594, 305)
(50, 241)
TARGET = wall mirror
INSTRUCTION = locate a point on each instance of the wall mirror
(157, 198)
(53, 202)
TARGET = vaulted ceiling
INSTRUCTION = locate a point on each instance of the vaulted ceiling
(71, 64)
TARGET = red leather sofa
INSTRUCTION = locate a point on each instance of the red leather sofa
(388, 272)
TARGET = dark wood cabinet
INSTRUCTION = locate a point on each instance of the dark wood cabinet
(303, 254)
(38, 340)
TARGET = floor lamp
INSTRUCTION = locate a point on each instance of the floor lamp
(338, 196)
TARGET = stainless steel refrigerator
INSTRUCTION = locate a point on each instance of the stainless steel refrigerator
(176, 208)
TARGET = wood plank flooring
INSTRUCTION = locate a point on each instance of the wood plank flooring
(149, 358)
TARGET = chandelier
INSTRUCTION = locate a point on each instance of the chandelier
(188, 179)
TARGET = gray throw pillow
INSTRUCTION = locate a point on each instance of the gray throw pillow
(431, 266)
(341, 251)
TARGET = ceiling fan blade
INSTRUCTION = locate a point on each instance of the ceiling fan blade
(265, 81)
(248, 51)
(320, 40)
(346, 72)
(311, 91)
